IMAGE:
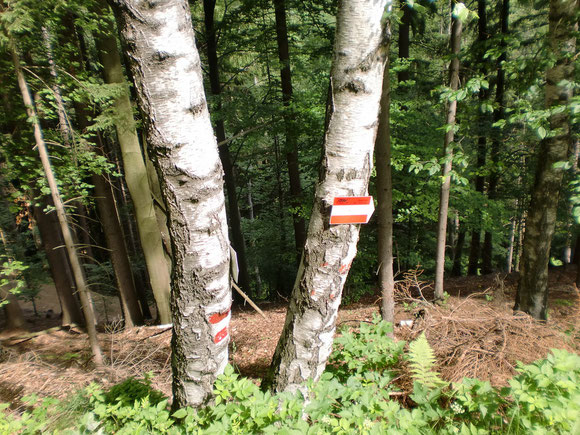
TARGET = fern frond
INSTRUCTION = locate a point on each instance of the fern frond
(422, 361)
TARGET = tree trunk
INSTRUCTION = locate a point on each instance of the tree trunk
(119, 257)
(136, 174)
(356, 76)
(448, 154)
(482, 37)
(510, 254)
(235, 220)
(384, 185)
(291, 137)
(165, 63)
(532, 293)
(498, 114)
(61, 214)
(404, 40)
(52, 243)
(458, 254)
(15, 321)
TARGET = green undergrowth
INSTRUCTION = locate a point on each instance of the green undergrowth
(358, 393)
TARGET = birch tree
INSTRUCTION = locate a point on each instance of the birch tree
(356, 78)
(166, 68)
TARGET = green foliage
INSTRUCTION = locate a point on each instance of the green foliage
(355, 394)
(368, 349)
(422, 362)
(133, 389)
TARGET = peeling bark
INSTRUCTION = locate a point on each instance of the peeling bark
(356, 76)
(166, 68)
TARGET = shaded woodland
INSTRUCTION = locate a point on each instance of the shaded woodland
(153, 153)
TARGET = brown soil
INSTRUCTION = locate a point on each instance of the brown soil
(473, 334)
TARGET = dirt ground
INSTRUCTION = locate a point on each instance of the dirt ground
(473, 334)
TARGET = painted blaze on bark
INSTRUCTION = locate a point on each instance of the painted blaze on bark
(161, 45)
(356, 75)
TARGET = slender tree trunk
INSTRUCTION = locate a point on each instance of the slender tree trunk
(498, 114)
(567, 254)
(448, 154)
(458, 254)
(136, 174)
(384, 185)
(404, 40)
(61, 214)
(475, 248)
(52, 243)
(510, 254)
(119, 257)
(251, 219)
(235, 220)
(532, 293)
(291, 137)
(165, 63)
(356, 76)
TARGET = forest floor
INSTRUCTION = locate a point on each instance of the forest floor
(474, 333)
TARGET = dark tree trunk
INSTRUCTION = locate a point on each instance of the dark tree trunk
(474, 251)
(52, 244)
(119, 257)
(458, 255)
(404, 40)
(384, 185)
(239, 244)
(532, 293)
(291, 138)
(498, 114)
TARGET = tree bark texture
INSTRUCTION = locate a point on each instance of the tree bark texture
(136, 174)
(384, 184)
(165, 63)
(291, 138)
(235, 220)
(356, 75)
(532, 293)
(75, 263)
(448, 155)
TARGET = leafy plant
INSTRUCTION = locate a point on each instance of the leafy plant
(421, 362)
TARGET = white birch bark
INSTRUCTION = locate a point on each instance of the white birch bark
(160, 42)
(356, 76)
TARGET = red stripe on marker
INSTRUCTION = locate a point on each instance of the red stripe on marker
(352, 200)
(218, 317)
(221, 335)
(352, 219)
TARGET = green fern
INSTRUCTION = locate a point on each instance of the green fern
(421, 361)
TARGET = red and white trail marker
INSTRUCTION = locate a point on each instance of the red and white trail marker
(351, 210)
(219, 323)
